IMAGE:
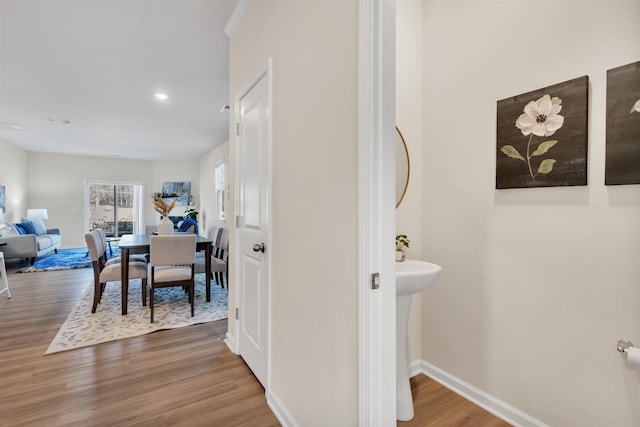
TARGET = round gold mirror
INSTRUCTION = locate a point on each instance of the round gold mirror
(403, 167)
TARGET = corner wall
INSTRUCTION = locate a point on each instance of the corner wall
(13, 175)
(314, 49)
(538, 284)
(409, 121)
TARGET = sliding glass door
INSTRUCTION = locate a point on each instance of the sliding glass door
(116, 207)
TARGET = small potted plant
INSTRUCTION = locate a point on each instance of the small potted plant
(191, 213)
(401, 242)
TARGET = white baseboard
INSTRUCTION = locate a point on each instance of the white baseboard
(230, 342)
(491, 404)
(280, 411)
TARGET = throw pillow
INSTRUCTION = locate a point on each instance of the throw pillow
(28, 228)
(19, 229)
(40, 227)
(37, 223)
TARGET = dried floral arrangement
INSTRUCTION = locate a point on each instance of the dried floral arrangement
(161, 206)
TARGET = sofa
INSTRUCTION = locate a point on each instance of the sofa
(21, 240)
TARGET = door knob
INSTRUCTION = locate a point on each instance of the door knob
(258, 247)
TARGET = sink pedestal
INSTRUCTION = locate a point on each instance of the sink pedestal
(404, 399)
(411, 277)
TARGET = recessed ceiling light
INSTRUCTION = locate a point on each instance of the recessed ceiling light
(11, 126)
(60, 121)
(161, 96)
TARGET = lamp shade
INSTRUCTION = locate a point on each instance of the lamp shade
(37, 214)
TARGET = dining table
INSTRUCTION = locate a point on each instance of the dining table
(140, 244)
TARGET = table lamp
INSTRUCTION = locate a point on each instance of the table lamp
(37, 214)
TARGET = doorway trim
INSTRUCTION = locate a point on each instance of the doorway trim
(376, 213)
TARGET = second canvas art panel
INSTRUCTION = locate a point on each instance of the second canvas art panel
(542, 137)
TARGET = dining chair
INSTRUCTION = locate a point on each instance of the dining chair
(102, 274)
(214, 236)
(219, 258)
(117, 260)
(172, 259)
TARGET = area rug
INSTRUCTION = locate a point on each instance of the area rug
(172, 310)
(65, 259)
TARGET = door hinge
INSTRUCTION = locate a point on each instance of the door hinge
(237, 128)
(237, 313)
(375, 281)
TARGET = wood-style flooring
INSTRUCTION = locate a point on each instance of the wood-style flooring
(180, 377)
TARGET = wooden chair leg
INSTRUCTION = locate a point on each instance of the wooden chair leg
(191, 297)
(144, 292)
(102, 288)
(96, 296)
(151, 302)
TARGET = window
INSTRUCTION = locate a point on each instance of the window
(219, 185)
(114, 206)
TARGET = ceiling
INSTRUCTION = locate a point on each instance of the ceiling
(79, 77)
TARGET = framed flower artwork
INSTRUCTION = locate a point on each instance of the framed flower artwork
(622, 164)
(542, 137)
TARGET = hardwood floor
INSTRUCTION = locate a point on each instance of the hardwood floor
(437, 406)
(181, 377)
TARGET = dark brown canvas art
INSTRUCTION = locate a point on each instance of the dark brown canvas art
(622, 165)
(542, 137)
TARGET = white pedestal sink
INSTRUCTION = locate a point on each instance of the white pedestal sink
(411, 277)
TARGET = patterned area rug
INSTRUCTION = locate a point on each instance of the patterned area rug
(65, 259)
(172, 310)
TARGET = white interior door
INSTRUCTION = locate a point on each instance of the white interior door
(253, 153)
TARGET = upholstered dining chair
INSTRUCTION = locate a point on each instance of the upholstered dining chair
(219, 258)
(116, 260)
(214, 236)
(110, 273)
(172, 259)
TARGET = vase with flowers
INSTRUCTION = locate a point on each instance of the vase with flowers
(165, 226)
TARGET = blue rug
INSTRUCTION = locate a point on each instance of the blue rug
(65, 259)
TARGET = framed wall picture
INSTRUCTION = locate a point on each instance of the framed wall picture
(2, 199)
(622, 164)
(542, 137)
(178, 191)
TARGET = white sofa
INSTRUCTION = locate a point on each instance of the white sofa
(29, 246)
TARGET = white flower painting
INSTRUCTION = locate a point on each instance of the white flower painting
(540, 118)
(542, 137)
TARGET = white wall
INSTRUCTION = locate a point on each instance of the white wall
(409, 121)
(313, 45)
(538, 284)
(13, 175)
(174, 171)
(55, 182)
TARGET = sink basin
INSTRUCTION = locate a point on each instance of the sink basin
(414, 276)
